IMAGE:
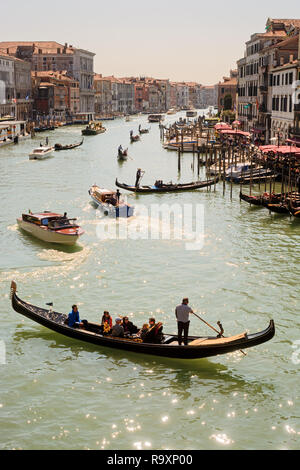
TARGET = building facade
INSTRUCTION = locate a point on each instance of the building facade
(52, 56)
(264, 52)
(227, 92)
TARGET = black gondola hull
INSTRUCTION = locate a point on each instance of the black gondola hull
(56, 322)
(168, 188)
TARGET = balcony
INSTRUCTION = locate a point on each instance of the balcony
(297, 108)
(263, 88)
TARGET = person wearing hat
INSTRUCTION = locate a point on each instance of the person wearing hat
(118, 330)
(183, 313)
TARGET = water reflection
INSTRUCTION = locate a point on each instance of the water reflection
(182, 375)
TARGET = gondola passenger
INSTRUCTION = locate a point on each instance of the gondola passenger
(118, 330)
(106, 323)
(129, 327)
(74, 318)
(154, 334)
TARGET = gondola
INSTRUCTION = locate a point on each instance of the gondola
(263, 200)
(160, 187)
(198, 347)
(295, 211)
(253, 200)
(143, 131)
(59, 147)
(280, 208)
(123, 154)
(134, 138)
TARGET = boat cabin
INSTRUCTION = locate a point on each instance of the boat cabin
(105, 196)
(50, 220)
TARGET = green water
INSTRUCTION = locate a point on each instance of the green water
(57, 393)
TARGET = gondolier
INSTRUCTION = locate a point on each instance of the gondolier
(183, 313)
(139, 175)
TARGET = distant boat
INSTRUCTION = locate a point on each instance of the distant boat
(51, 227)
(156, 117)
(40, 153)
(191, 113)
(94, 128)
(122, 154)
(67, 147)
(143, 131)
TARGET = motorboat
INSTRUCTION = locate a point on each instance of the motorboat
(51, 227)
(41, 153)
(110, 202)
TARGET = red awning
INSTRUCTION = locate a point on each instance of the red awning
(283, 149)
(222, 125)
(235, 132)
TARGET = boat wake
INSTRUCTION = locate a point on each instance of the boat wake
(65, 263)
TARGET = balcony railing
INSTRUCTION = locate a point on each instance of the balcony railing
(263, 88)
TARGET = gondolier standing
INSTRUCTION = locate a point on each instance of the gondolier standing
(183, 313)
(139, 175)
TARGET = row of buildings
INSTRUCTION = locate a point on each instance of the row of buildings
(268, 86)
(48, 80)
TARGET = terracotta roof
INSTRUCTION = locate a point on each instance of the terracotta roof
(47, 47)
(286, 22)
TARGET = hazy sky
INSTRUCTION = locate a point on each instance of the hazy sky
(176, 39)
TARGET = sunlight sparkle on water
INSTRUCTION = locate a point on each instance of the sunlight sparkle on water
(222, 439)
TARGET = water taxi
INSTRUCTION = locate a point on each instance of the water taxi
(110, 202)
(40, 153)
(51, 227)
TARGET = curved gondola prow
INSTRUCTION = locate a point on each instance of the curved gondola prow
(13, 289)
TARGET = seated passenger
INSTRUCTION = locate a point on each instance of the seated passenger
(118, 330)
(129, 327)
(106, 324)
(143, 332)
(74, 319)
(154, 333)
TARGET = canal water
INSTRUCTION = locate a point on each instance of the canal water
(58, 393)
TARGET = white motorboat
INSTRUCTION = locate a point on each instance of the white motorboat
(40, 153)
(110, 202)
(51, 227)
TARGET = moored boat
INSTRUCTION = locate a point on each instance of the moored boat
(198, 347)
(110, 202)
(294, 208)
(41, 153)
(160, 187)
(51, 227)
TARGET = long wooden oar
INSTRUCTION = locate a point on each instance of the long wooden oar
(214, 329)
